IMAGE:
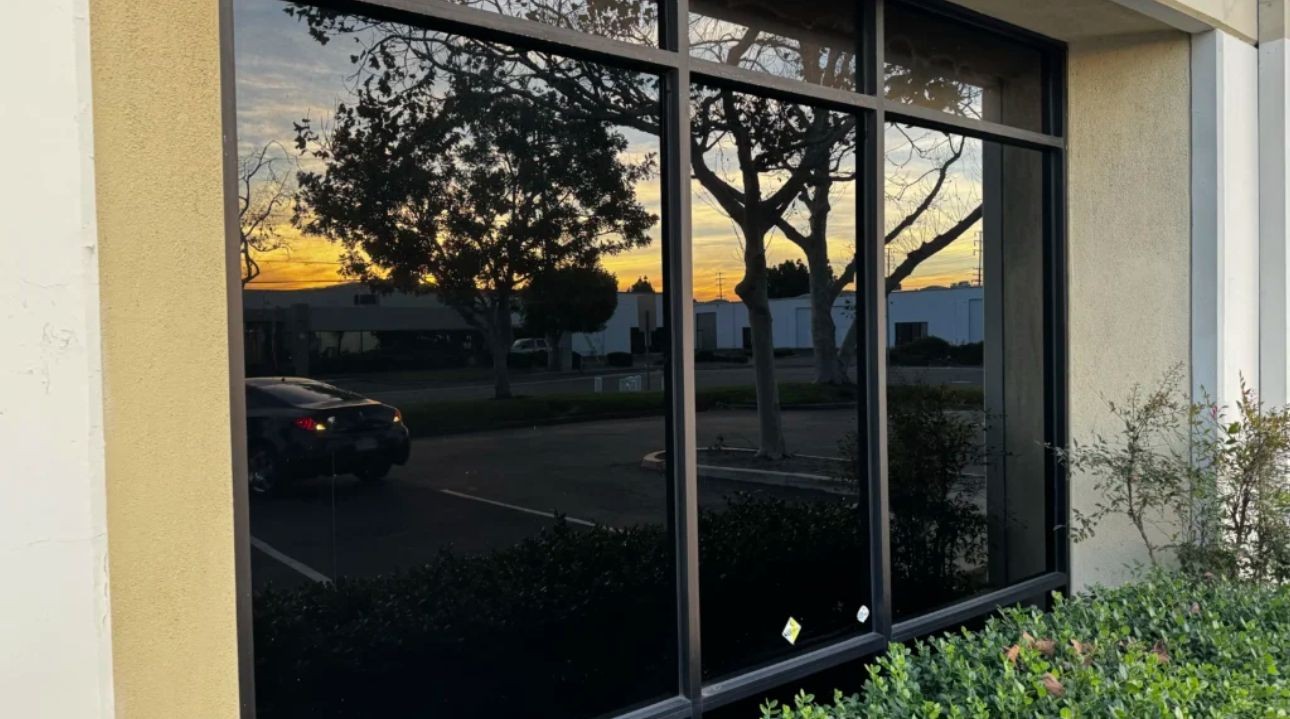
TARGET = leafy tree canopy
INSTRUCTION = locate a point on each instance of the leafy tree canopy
(643, 285)
(570, 299)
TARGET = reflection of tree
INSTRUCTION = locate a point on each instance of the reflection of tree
(938, 529)
(934, 204)
(927, 64)
(265, 196)
(930, 200)
(561, 301)
(938, 524)
(789, 278)
(471, 189)
(802, 40)
(633, 21)
(778, 149)
(576, 621)
(787, 158)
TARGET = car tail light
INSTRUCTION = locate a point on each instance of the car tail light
(398, 417)
(309, 424)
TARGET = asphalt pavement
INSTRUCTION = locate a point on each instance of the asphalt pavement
(488, 490)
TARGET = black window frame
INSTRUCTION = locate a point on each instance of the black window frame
(671, 60)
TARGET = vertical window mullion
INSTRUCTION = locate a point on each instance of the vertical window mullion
(1055, 369)
(679, 293)
(873, 361)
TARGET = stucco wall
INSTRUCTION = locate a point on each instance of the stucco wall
(1129, 244)
(166, 357)
(1239, 17)
(55, 635)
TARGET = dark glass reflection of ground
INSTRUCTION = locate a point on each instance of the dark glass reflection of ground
(454, 572)
(496, 570)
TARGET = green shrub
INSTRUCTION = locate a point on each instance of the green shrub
(567, 623)
(954, 397)
(425, 419)
(1210, 483)
(936, 352)
(526, 360)
(938, 534)
(1167, 647)
(723, 356)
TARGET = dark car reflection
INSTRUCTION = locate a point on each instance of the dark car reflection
(299, 428)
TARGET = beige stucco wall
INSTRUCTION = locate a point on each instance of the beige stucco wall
(1238, 17)
(166, 399)
(165, 308)
(1129, 244)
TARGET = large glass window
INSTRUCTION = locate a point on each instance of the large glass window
(811, 41)
(782, 538)
(634, 21)
(467, 248)
(948, 67)
(964, 285)
(453, 278)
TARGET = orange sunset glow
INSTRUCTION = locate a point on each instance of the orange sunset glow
(284, 75)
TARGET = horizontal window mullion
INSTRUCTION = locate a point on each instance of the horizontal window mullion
(760, 680)
(530, 34)
(675, 708)
(983, 129)
(761, 83)
(955, 614)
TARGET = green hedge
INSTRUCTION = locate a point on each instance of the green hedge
(1167, 647)
(936, 352)
(571, 622)
(428, 419)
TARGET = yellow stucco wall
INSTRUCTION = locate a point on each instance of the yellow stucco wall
(166, 357)
(1129, 245)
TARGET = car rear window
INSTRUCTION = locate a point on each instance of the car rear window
(296, 393)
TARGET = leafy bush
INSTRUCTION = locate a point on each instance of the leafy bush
(526, 360)
(1211, 483)
(936, 352)
(953, 397)
(568, 621)
(728, 356)
(426, 419)
(969, 354)
(938, 533)
(619, 359)
(921, 352)
(1167, 647)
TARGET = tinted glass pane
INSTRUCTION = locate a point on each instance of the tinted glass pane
(440, 225)
(961, 70)
(782, 541)
(965, 395)
(305, 393)
(634, 21)
(813, 41)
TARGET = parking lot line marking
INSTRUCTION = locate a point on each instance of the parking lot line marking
(295, 564)
(517, 508)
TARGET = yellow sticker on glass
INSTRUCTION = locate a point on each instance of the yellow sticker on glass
(791, 630)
